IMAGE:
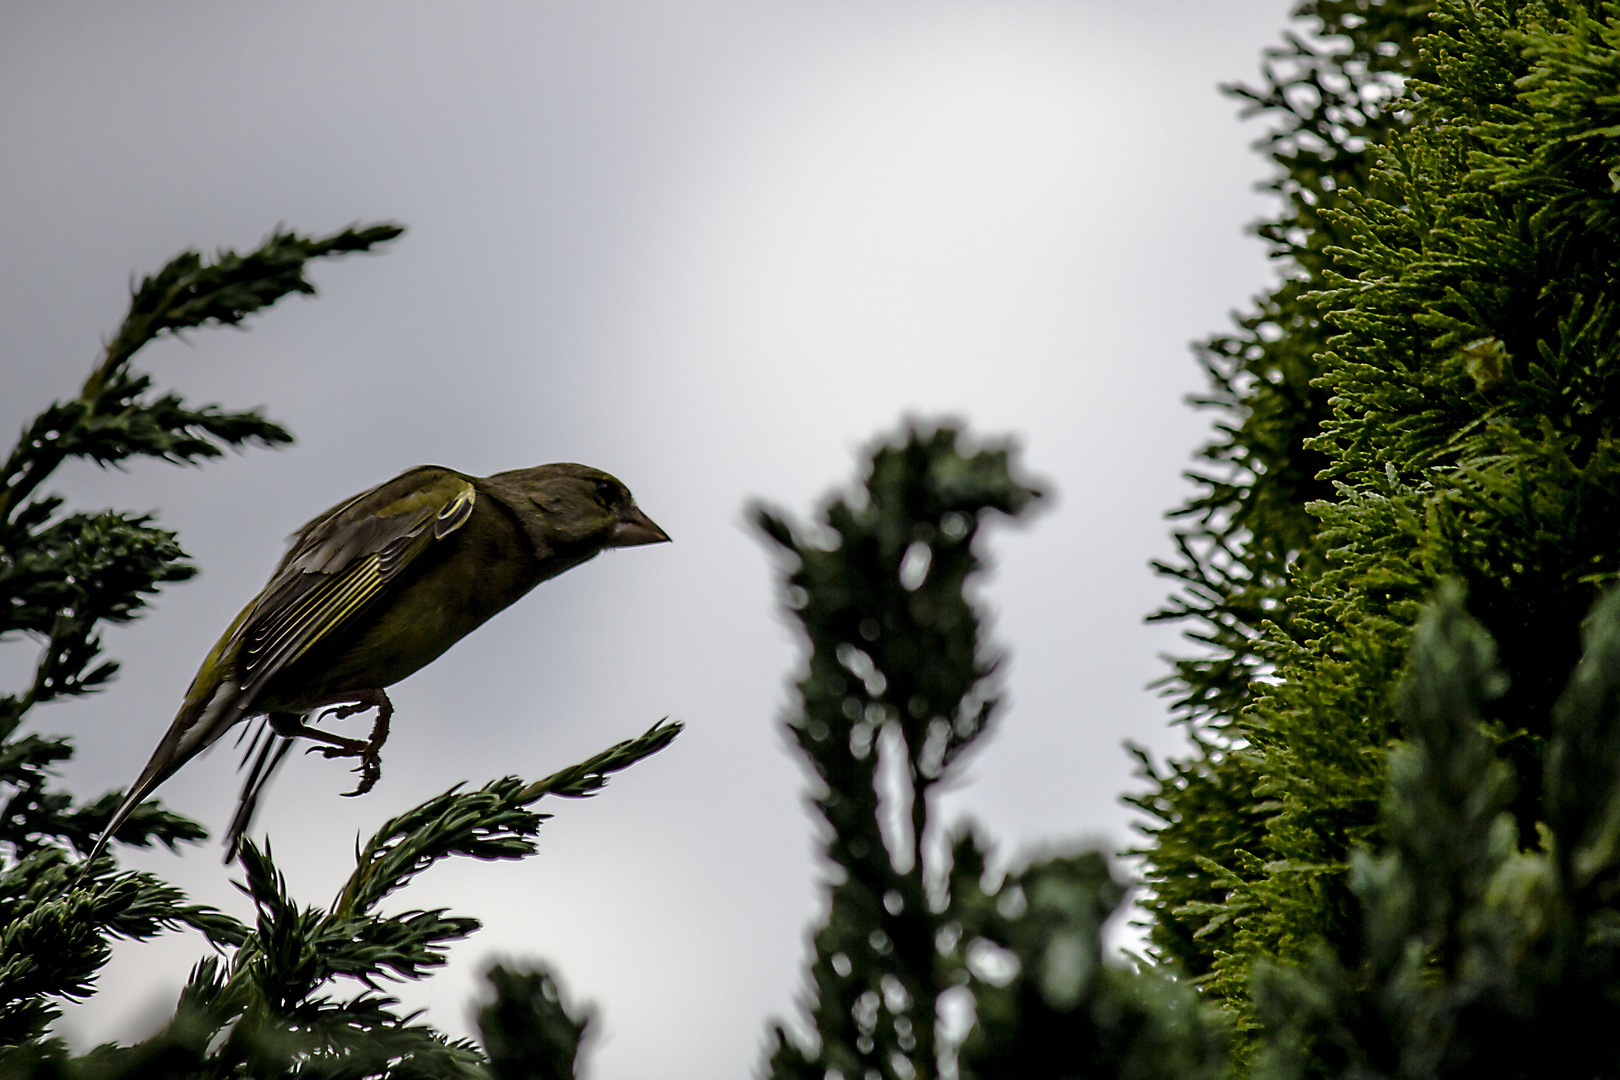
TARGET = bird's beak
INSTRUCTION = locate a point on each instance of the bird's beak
(635, 528)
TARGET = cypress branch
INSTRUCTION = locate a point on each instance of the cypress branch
(63, 576)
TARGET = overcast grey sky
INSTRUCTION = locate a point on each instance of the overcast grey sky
(712, 247)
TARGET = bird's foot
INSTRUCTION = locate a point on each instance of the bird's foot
(333, 746)
(369, 751)
(370, 767)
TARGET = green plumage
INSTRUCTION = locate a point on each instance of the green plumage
(375, 589)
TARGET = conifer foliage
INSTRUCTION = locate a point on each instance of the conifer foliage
(900, 686)
(298, 992)
(1329, 97)
(277, 1006)
(1395, 848)
(64, 574)
(1460, 326)
(1475, 954)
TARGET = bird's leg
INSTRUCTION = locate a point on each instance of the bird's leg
(370, 751)
(292, 726)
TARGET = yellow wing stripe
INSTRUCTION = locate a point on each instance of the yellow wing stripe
(318, 615)
(352, 599)
(270, 634)
(290, 633)
(274, 633)
(359, 583)
(295, 640)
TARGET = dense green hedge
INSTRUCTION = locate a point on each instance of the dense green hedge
(1453, 316)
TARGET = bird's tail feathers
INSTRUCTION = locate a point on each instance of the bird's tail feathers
(195, 728)
(266, 752)
(137, 792)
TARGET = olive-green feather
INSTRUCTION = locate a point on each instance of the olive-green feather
(341, 564)
(336, 567)
(379, 586)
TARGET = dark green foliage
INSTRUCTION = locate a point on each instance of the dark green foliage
(896, 672)
(1429, 396)
(1065, 1012)
(1395, 849)
(1582, 807)
(899, 687)
(56, 931)
(1473, 386)
(529, 1033)
(490, 823)
(1328, 98)
(111, 419)
(269, 1003)
(64, 575)
(1476, 956)
(274, 1007)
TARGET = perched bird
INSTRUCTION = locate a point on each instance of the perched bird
(374, 589)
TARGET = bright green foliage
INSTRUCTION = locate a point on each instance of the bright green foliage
(899, 687)
(1471, 372)
(1327, 99)
(1475, 955)
(62, 576)
(1395, 850)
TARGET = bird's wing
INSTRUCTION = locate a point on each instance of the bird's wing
(342, 561)
(337, 565)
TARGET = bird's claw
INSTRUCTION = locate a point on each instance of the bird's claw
(369, 751)
(343, 712)
(346, 748)
(370, 770)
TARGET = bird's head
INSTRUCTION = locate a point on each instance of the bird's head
(568, 507)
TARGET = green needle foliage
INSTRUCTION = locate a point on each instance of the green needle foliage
(275, 1007)
(63, 575)
(1329, 97)
(271, 1001)
(1475, 954)
(1458, 323)
(1394, 850)
(899, 687)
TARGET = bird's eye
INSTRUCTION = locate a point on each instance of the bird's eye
(607, 493)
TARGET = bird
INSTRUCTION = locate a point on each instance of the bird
(372, 590)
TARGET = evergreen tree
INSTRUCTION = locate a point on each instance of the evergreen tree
(62, 575)
(1476, 956)
(1329, 97)
(274, 1004)
(899, 688)
(1467, 373)
(1395, 850)
(1468, 951)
